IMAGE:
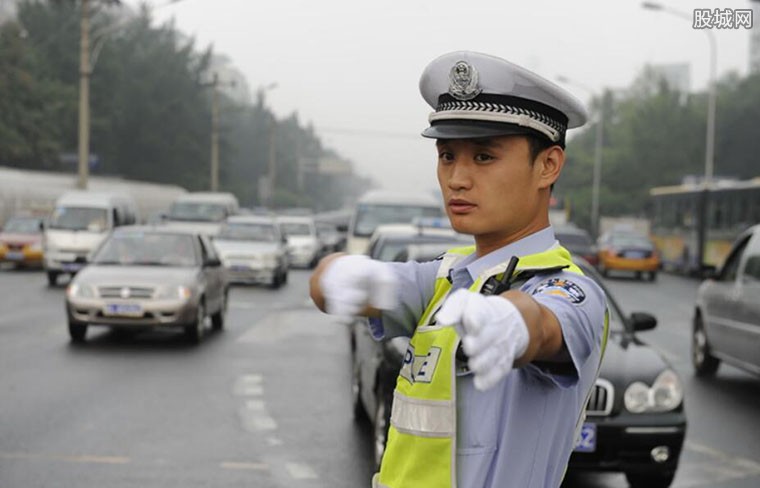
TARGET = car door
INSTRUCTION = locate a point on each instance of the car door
(748, 291)
(721, 306)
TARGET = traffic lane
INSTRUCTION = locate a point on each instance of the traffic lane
(721, 447)
(152, 410)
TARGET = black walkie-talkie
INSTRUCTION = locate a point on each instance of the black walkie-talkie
(493, 287)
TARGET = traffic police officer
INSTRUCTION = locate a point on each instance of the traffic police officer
(506, 335)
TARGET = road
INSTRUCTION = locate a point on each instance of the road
(265, 403)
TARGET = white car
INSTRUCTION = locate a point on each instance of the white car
(253, 250)
(303, 244)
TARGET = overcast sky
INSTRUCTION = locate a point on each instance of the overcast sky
(351, 67)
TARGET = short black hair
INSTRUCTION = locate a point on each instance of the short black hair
(538, 143)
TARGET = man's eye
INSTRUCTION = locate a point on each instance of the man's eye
(483, 158)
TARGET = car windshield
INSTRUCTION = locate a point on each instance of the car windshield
(630, 240)
(22, 226)
(79, 218)
(296, 229)
(153, 249)
(247, 232)
(197, 211)
(369, 216)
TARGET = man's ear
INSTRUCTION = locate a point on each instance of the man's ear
(550, 163)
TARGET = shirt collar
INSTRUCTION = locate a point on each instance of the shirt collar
(474, 266)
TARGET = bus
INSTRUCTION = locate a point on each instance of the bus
(694, 227)
(380, 207)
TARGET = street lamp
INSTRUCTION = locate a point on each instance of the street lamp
(598, 142)
(710, 134)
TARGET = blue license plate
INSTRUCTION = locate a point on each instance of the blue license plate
(72, 266)
(587, 440)
(127, 309)
(239, 268)
(635, 255)
(14, 256)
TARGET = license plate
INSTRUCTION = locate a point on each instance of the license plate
(14, 256)
(634, 254)
(71, 266)
(238, 267)
(124, 309)
(587, 440)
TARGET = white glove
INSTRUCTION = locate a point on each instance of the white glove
(350, 283)
(493, 333)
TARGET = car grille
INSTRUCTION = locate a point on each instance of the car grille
(601, 398)
(125, 292)
(634, 254)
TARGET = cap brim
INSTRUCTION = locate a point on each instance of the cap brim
(472, 129)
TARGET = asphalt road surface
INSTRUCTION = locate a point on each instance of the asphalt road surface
(265, 403)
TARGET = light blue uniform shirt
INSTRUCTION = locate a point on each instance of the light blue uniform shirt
(520, 433)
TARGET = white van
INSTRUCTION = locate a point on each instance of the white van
(380, 207)
(79, 223)
(204, 212)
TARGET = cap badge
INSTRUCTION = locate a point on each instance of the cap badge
(463, 81)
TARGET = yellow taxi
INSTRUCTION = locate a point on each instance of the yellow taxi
(630, 252)
(21, 241)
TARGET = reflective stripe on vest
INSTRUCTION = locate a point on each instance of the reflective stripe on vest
(421, 448)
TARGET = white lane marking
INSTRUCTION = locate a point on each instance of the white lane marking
(255, 418)
(274, 441)
(244, 466)
(89, 459)
(283, 325)
(248, 385)
(300, 471)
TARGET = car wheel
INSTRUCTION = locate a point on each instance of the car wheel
(276, 281)
(52, 278)
(77, 331)
(382, 422)
(704, 363)
(360, 415)
(217, 320)
(194, 331)
(659, 480)
(603, 269)
(652, 276)
(284, 276)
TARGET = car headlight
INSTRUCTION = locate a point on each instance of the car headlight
(174, 292)
(665, 394)
(76, 290)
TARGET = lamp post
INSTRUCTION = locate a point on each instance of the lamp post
(598, 143)
(710, 132)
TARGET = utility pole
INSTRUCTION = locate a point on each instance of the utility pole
(84, 97)
(215, 133)
(272, 161)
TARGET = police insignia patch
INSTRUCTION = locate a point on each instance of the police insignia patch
(561, 287)
(463, 81)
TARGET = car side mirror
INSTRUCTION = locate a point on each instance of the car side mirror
(709, 272)
(641, 321)
(213, 262)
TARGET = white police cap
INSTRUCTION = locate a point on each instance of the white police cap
(478, 95)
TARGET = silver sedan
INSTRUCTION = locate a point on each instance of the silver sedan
(147, 277)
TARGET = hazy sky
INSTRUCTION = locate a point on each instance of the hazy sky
(352, 67)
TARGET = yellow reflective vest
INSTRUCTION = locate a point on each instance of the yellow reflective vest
(421, 448)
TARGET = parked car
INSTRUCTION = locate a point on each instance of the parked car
(304, 247)
(727, 313)
(149, 277)
(578, 242)
(630, 252)
(253, 250)
(21, 241)
(635, 415)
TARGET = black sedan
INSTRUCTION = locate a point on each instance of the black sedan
(635, 416)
